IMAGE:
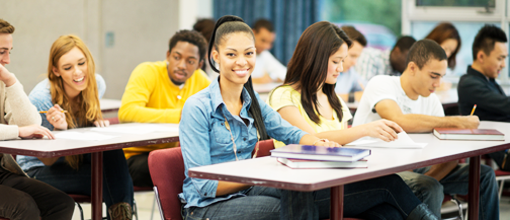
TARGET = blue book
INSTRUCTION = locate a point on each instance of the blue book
(310, 152)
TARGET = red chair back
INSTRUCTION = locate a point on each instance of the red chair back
(167, 172)
(264, 148)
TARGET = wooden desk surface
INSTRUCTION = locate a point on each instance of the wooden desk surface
(268, 172)
(63, 147)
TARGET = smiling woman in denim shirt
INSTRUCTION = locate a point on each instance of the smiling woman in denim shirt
(223, 123)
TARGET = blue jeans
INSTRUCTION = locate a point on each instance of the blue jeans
(385, 197)
(431, 192)
(117, 184)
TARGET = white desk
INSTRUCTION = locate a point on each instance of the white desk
(268, 172)
(109, 105)
(65, 147)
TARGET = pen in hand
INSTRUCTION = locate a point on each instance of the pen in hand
(44, 112)
(473, 111)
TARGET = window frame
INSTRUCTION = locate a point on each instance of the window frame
(501, 14)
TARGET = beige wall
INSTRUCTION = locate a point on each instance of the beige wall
(141, 32)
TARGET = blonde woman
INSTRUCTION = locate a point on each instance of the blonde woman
(23, 198)
(73, 85)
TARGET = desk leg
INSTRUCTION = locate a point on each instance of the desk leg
(97, 185)
(337, 203)
(474, 187)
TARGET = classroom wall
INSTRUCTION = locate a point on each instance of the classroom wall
(120, 33)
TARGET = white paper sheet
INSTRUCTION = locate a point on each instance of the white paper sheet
(137, 129)
(83, 136)
(403, 141)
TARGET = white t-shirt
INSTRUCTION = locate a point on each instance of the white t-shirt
(383, 87)
(267, 63)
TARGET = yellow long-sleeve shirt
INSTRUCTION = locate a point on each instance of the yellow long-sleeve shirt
(150, 97)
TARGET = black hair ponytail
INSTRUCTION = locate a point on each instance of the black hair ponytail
(236, 24)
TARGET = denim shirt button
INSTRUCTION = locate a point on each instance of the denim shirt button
(244, 139)
(238, 151)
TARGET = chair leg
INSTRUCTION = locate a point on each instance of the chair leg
(459, 205)
(81, 210)
(153, 206)
(135, 209)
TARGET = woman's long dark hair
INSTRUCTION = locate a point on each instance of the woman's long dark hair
(309, 66)
(229, 24)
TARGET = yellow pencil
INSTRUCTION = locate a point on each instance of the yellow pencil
(44, 112)
(473, 111)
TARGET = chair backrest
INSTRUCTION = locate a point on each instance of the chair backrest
(167, 172)
(265, 147)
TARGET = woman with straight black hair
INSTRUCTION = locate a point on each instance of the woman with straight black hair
(224, 122)
(308, 101)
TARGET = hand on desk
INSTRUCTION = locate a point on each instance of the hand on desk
(35, 131)
(468, 121)
(383, 129)
(102, 123)
(327, 143)
(5, 76)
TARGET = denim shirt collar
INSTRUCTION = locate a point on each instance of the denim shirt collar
(217, 99)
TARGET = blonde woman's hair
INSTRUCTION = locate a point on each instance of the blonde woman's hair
(88, 100)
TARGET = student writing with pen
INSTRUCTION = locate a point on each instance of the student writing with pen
(478, 86)
(73, 85)
(314, 107)
(409, 100)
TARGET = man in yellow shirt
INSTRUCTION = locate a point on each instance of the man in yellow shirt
(156, 92)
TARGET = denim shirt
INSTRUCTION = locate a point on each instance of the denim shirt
(205, 140)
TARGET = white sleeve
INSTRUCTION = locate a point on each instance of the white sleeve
(379, 88)
(273, 67)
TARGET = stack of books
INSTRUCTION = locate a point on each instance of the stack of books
(309, 156)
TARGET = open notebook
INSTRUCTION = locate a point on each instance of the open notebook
(403, 141)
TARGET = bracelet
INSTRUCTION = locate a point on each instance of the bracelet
(323, 140)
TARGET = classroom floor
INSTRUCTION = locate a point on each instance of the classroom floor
(145, 200)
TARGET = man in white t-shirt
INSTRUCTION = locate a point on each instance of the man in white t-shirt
(268, 68)
(410, 102)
